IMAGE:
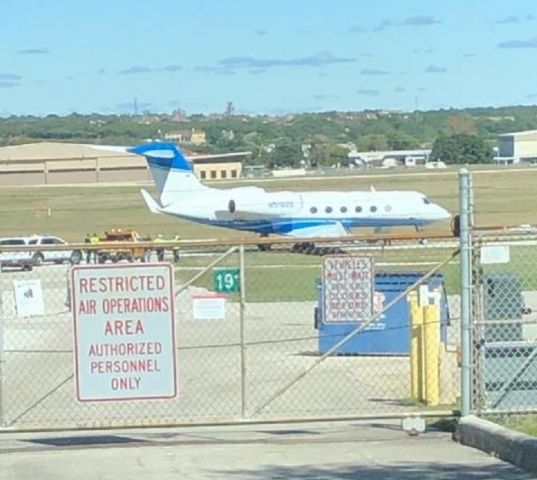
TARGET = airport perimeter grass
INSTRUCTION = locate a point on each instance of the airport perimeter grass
(523, 423)
(284, 277)
(503, 196)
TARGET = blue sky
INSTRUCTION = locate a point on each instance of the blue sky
(277, 56)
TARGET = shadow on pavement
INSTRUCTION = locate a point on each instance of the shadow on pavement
(406, 471)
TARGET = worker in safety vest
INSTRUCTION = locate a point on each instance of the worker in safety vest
(160, 251)
(176, 249)
(94, 240)
(88, 252)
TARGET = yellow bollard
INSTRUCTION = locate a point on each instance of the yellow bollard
(431, 319)
(416, 336)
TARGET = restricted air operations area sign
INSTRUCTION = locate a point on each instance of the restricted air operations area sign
(124, 332)
(348, 288)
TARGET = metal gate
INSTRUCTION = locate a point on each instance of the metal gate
(504, 311)
(251, 344)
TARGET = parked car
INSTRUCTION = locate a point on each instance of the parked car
(22, 260)
(57, 256)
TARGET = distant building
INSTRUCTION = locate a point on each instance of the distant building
(193, 136)
(225, 166)
(517, 147)
(390, 158)
(61, 163)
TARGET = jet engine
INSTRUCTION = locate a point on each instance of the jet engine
(250, 205)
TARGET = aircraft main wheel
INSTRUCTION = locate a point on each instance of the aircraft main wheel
(298, 248)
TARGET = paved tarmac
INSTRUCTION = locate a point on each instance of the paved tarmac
(336, 450)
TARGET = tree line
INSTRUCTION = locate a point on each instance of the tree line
(317, 138)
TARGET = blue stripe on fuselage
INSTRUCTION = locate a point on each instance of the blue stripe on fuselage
(285, 226)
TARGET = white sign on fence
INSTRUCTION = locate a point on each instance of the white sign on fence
(348, 287)
(124, 332)
(208, 306)
(28, 298)
(494, 254)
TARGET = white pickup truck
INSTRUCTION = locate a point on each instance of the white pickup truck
(22, 260)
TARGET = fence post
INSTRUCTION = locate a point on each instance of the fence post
(471, 218)
(466, 291)
(416, 358)
(2, 338)
(242, 316)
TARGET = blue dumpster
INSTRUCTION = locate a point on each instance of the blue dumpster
(389, 334)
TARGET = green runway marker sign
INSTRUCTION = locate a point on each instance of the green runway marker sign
(226, 280)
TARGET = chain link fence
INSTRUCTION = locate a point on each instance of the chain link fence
(253, 338)
(504, 307)
(432, 325)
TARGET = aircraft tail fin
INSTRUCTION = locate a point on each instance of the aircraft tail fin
(172, 172)
(153, 206)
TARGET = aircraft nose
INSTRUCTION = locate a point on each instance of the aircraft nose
(443, 214)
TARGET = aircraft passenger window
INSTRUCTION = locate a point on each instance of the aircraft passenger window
(343, 209)
(313, 209)
(358, 209)
(203, 174)
(373, 208)
(213, 173)
(328, 209)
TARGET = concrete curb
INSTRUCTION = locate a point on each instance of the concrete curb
(513, 447)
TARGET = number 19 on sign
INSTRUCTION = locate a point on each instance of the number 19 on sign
(226, 280)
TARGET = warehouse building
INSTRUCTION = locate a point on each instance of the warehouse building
(52, 163)
(225, 166)
(517, 147)
(391, 158)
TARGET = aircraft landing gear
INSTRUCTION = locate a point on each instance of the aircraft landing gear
(306, 247)
(264, 247)
(422, 241)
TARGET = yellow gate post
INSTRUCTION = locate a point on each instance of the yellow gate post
(431, 324)
(416, 336)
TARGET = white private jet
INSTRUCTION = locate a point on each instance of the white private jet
(296, 214)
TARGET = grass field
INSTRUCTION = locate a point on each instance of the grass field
(503, 196)
(523, 423)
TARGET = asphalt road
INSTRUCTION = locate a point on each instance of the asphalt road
(373, 451)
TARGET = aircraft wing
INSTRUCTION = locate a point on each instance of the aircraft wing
(328, 230)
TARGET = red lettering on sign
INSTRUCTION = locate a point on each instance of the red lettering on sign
(128, 383)
(87, 307)
(124, 327)
(87, 285)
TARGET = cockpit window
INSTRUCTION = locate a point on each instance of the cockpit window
(426, 201)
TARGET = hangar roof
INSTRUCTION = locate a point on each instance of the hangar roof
(518, 134)
(45, 151)
(54, 151)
